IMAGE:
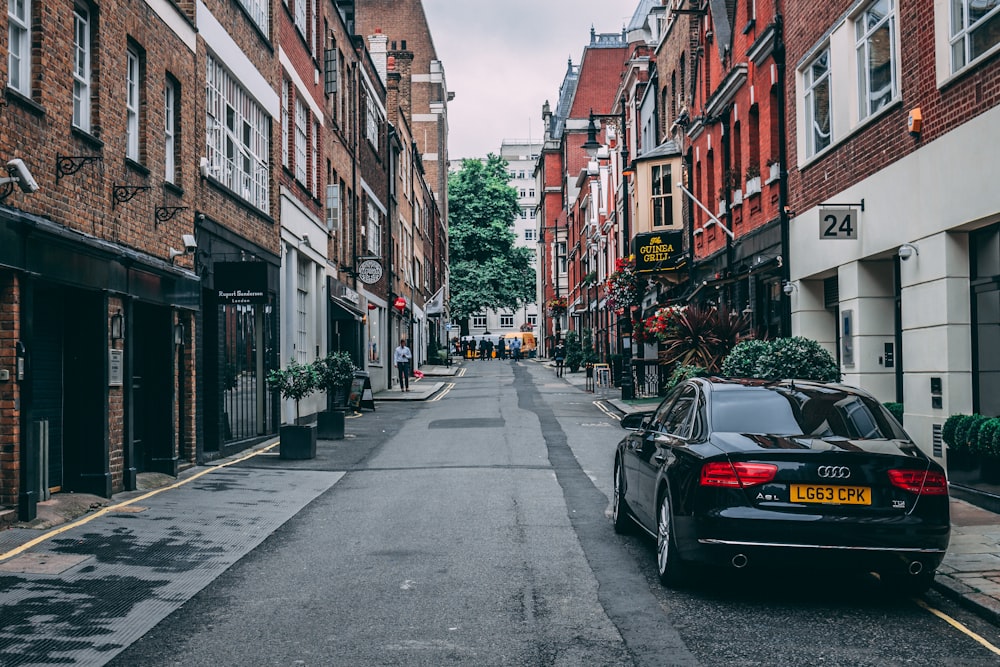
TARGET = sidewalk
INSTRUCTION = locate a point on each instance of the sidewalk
(970, 573)
(421, 389)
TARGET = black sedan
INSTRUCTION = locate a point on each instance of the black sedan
(746, 472)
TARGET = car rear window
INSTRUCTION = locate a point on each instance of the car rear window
(789, 411)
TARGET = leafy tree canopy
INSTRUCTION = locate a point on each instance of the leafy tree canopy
(487, 270)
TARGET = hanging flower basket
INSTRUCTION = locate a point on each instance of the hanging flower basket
(556, 306)
(662, 324)
(620, 287)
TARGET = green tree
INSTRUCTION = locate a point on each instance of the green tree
(487, 271)
(574, 351)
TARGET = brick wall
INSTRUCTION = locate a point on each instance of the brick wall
(10, 394)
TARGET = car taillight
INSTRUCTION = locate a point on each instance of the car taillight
(738, 474)
(926, 482)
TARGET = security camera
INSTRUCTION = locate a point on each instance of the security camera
(190, 245)
(787, 288)
(907, 251)
(19, 174)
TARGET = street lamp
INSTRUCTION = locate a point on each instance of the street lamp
(591, 145)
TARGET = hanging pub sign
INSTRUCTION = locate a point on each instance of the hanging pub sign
(658, 252)
(241, 282)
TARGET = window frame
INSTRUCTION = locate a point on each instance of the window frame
(171, 100)
(961, 35)
(19, 61)
(301, 133)
(133, 102)
(810, 86)
(82, 93)
(864, 37)
(660, 200)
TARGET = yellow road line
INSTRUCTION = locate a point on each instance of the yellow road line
(112, 508)
(955, 624)
(448, 386)
(600, 406)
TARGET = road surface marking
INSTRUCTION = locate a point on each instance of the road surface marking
(955, 624)
(118, 507)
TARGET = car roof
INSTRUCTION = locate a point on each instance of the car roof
(719, 383)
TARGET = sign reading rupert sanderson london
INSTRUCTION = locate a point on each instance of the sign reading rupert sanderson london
(659, 251)
(241, 282)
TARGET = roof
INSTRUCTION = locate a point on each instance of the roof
(600, 72)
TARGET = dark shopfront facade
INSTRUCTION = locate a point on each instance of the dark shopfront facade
(95, 382)
(238, 345)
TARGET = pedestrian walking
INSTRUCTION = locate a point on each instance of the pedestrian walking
(515, 349)
(402, 356)
(560, 356)
(501, 348)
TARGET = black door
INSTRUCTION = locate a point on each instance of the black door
(46, 376)
(152, 390)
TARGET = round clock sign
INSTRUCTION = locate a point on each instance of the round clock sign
(370, 271)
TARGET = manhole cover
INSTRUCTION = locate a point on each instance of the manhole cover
(37, 563)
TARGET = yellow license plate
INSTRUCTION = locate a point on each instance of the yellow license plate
(831, 495)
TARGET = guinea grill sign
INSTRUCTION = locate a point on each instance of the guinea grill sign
(659, 252)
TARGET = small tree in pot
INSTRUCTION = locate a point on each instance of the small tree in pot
(335, 371)
(296, 381)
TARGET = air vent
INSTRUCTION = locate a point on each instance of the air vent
(936, 440)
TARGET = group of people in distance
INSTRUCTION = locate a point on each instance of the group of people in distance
(485, 348)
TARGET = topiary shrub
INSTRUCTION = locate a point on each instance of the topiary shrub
(795, 358)
(682, 373)
(896, 410)
(295, 381)
(742, 359)
(982, 435)
(948, 431)
(962, 440)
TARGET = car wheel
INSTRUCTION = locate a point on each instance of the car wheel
(619, 508)
(899, 581)
(669, 566)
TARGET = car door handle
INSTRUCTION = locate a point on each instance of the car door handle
(661, 457)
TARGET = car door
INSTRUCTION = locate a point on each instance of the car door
(634, 451)
(669, 428)
(660, 453)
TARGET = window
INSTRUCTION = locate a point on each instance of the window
(479, 321)
(373, 333)
(260, 13)
(302, 312)
(285, 151)
(506, 321)
(529, 234)
(524, 214)
(81, 68)
(975, 30)
(314, 175)
(333, 207)
(171, 98)
(19, 37)
(524, 193)
(662, 200)
(561, 257)
(817, 107)
(132, 106)
(372, 121)
(875, 31)
(374, 231)
(533, 319)
(301, 141)
(531, 192)
(299, 12)
(237, 132)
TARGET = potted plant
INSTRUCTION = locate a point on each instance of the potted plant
(753, 179)
(335, 372)
(296, 381)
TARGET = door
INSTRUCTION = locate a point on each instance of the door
(151, 407)
(46, 377)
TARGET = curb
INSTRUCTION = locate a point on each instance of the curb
(967, 597)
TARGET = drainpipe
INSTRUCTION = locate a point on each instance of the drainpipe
(726, 168)
(390, 276)
(779, 61)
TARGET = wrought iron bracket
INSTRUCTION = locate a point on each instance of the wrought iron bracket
(70, 164)
(125, 193)
(164, 213)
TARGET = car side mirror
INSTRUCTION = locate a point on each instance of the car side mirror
(635, 420)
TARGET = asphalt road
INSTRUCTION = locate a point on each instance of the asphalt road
(474, 530)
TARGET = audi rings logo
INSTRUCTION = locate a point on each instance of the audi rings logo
(833, 472)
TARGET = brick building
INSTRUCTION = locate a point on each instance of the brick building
(99, 292)
(895, 243)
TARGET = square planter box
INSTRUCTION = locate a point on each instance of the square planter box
(330, 424)
(297, 442)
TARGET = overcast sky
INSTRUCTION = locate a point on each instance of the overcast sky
(504, 58)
